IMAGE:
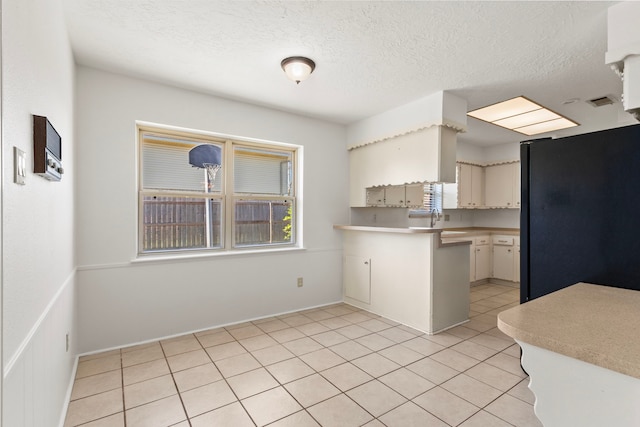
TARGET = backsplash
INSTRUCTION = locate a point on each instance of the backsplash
(507, 218)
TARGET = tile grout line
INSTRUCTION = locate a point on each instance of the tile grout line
(173, 378)
(377, 351)
(124, 411)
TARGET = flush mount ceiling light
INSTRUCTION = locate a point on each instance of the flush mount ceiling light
(298, 68)
(522, 115)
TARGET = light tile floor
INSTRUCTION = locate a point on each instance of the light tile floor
(331, 366)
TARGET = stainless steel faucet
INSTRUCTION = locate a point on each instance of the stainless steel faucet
(435, 216)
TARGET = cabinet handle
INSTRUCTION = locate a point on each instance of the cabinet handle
(366, 263)
(509, 250)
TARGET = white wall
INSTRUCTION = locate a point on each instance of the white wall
(502, 152)
(484, 155)
(121, 302)
(38, 265)
(470, 153)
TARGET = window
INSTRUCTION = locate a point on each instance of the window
(431, 202)
(248, 202)
(432, 197)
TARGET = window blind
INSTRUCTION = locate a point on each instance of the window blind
(262, 171)
(166, 167)
(432, 197)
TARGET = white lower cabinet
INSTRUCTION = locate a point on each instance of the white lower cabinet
(408, 277)
(483, 262)
(482, 258)
(504, 258)
(496, 256)
(472, 262)
(357, 278)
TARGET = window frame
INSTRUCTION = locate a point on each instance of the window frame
(228, 198)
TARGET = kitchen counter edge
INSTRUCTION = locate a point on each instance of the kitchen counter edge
(403, 230)
(593, 323)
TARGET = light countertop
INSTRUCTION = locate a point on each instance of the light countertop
(410, 230)
(593, 323)
(403, 230)
(461, 230)
(479, 231)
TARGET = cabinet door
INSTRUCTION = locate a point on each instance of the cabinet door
(394, 196)
(483, 262)
(414, 195)
(477, 186)
(503, 264)
(465, 186)
(516, 186)
(499, 184)
(375, 196)
(357, 278)
(468, 192)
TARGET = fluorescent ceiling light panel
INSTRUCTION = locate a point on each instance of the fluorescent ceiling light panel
(549, 126)
(522, 115)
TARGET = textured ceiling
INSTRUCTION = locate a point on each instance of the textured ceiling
(371, 56)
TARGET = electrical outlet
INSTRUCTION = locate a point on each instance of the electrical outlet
(300, 282)
(446, 217)
(67, 342)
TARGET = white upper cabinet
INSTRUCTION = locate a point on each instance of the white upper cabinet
(502, 185)
(516, 182)
(468, 191)
(402, 196)
(427, 155)
(474, 198)
(395, 196)
(414, 195)
(375, 196)
(499, 186)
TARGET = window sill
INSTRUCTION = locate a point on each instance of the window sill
(199, 255)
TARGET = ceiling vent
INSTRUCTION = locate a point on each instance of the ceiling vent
(602, 101)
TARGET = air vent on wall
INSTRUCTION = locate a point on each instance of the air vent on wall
(602, 101)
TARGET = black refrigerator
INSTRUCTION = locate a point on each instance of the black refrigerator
(580, 211)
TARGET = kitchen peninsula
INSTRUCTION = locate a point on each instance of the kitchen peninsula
(406, 274)
(580, 347)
